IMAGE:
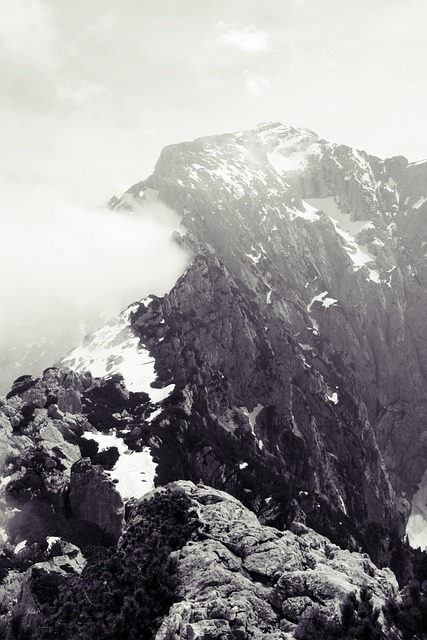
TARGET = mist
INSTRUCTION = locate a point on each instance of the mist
(65, 270)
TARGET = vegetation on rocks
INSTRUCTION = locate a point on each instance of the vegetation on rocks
(124, 591)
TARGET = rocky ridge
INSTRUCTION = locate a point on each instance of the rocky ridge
(239, 579)
(286, 367)
(321, 245)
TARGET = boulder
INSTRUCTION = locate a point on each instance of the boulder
(93, 498)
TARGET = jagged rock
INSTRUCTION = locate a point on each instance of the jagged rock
(352, 371)
(10, 588)
(54, 441)
(242, 579)
(54, 412)
(69, 401)
(71, 562)
(93, 497)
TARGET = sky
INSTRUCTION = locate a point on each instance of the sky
(92, 90)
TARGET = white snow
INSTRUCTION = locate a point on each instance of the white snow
(4, 481)
(416, 528)
(290, 155)
(255, 256)
(134, 470)
(309, 212)
(252, 415)
(378, 243)
(115, 349)
(333, 397)
(21, 545)
(419, 203)
(343, 507)
(145, 301)
(243, 465)
(154, 414)
(331, 208)
(321, 297)
(348, 229)
(51, 540)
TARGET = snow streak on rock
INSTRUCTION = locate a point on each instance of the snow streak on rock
(115, 349)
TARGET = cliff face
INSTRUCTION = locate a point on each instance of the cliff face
(305, 306)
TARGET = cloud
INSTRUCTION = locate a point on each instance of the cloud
(249, 39)
(26, 31)
(258, 85)
(102, 29)
(67, 269)
(80, 93)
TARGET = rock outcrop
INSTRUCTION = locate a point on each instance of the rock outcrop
(46, 487)
(239, 579)
(93, 498)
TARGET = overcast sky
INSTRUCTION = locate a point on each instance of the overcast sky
(91, 90)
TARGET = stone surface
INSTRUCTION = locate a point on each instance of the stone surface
(93, 498)
(239, 579)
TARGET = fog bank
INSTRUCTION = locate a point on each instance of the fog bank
(65, 269)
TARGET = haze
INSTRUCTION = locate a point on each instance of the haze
(93, 89)
(66, 270)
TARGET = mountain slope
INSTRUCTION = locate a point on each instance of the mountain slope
(287, 366)
(325, 244)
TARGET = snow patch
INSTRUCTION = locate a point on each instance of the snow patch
(252, 415)
(321, 297)
(333, 397)
(330, 206)
(115, 349)
(308, 212)
(289, 155)
(21, 545)
(419, 203)
(134, 470)
(51, 540)
(358, 254)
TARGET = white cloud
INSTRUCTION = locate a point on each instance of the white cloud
(249, 39)
(67, 267)
(102, 29)
(80, 93)
(258, 84)
(26, 31)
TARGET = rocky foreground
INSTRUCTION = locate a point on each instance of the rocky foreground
(228, 576)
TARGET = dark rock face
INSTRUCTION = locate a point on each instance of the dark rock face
(92, 498)
(318, 328)
(46, 488)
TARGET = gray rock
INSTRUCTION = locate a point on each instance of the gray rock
(257, 582)
(93, 497)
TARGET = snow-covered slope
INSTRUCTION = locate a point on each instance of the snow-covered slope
(116, 349)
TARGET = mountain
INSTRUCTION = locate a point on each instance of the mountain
(305, 304)
(286, 367)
